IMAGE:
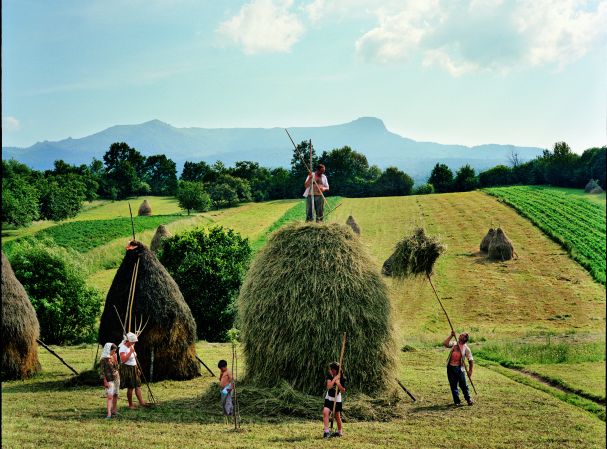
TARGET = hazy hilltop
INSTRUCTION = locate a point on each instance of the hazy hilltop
(269, 146)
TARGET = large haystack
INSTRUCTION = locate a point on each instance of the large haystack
(486, 240)
(161, 233)
(309, 284)
(500, 247)
(413, 256)
(20, 328)
(352, 223)
(171, 330)
(145, 210)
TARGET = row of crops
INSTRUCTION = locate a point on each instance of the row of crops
(578, 225)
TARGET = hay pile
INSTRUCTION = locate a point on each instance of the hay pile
(161, 233)
(593, 183)
(145, 210)
(413, 256)
(352, 223)
(486, 240)
(308, 285)
(171, 330)
(20, 328)
(500, 247)
(597, 190)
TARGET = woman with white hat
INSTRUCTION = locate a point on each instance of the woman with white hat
(129, 374)
(111, 377)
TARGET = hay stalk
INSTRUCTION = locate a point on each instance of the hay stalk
(341, 361)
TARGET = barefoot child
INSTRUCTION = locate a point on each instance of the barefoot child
(111, 379)
(226, 384)
(333, 380)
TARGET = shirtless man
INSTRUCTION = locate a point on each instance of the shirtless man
(456, 371)
(226, 385)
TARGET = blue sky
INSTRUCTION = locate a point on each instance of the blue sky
(449, 71)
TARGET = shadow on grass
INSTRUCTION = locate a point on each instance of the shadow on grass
(434, 408)
(36, 387)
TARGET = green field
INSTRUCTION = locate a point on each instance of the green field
(542, 311)
(574, 222)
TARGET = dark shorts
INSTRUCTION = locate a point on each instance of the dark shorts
(329, 405)
(129, 376)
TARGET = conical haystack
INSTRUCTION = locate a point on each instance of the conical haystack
(500, 247)
(486, 240)
(413, 256)
(309, 284)
(352, 223)
(171, 331)
(145, 210)
(161, 233)
(20, 328)
(591, 185)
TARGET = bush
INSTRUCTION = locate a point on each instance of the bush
(465, 179)
(222, 195)
(53, 277)
(20, 201)
(500, 175)
(208, 265)
(424, 189)
(191, 196)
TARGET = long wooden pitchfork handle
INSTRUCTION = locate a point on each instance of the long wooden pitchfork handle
(452, 330)
(341, 361)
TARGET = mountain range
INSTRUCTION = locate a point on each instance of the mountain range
(270, 146)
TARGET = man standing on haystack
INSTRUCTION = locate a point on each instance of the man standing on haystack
(456, 370)
(129, 374)
(319, 184)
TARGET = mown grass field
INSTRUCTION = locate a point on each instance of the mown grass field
(577, 224)
(542, 294)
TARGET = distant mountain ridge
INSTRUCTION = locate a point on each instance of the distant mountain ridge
(269, 146)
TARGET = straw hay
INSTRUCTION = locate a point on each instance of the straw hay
(308, 285)
(591, 185)
(352, 223)
(486, 240)
(413, 256)
(596, 190)
(500, 247)
(145, 210)
(20, 328)
(171, 330)
(161, 233)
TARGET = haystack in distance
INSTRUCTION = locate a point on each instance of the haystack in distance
(171, 331)
(308, 285)
(161, 233)
(500, 247)
(352, 223)
(484, 247)
(145, 210)
(20, 328)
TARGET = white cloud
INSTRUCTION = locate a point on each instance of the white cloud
(473, 35)
(10, 123)
(263, 26)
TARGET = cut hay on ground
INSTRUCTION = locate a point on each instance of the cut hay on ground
(145, 210)
(161, 233)
(352, 223)
(283, 400)
(20, 328)
(593, 183)
(308, 285)
(414, 256)
(486, 240)
(501, 247)
(171, 330)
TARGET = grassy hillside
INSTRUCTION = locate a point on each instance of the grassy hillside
(541, 302)
(577, 224)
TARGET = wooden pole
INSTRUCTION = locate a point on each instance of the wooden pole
(312, 182)
(132, 293)
(341, 361)
(452, 330)
(132, 221)
(203, 364)
(234, 388)
(56, 355)
(406, 391)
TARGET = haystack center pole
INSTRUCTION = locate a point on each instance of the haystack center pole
(341, 361)
(56, 355)
(452, 330)
(132, 221)
(313, 181)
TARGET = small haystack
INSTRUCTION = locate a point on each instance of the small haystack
(413, 256)
(352, 223)
(500, 247)
(307, 286)
(20, 328)
(145, 210)
(161, 233)
(171, 331)
(486, 240)
(593, 183)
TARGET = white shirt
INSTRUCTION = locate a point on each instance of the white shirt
(124, 349)
(323, 182)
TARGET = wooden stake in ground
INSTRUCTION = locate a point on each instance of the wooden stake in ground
(341, 361)
(56, 355)
(405, 389)
(234, 405)
(203, 364)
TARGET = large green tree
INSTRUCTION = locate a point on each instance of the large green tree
(393, 182)
(124, 169)
(465, 179)
(194, 171)
(160, 173)
(61, 196)
(192, 196)
(20, 201)
(441, 178)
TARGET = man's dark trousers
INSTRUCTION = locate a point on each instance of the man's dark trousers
(319, 207)
(457, 375)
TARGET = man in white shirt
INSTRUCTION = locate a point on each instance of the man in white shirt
(319, 184)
